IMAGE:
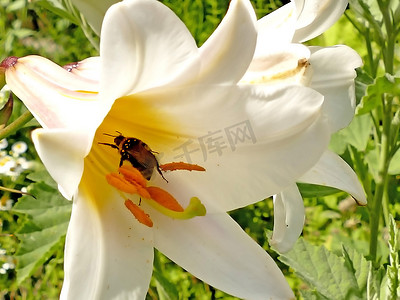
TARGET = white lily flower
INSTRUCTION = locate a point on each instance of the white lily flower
(331, 71)
(242, 143)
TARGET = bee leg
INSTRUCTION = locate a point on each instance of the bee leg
(121, 162)
(140, 201)
(159, 171)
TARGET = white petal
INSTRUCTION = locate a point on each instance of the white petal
(281, 64)
(333, 74)
(289, 217)
(252, 142)
(216, 250)
(276, 29)
(333, 171)
(108, 254)
(227, 53)
(143, 44)
(94, 11)
(62, 152)
(57, 98)
(88, 68)
(317, 16)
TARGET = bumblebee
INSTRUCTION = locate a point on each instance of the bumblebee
(137, 153)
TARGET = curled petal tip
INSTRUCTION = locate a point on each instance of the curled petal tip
(8, 62)
(360, 202)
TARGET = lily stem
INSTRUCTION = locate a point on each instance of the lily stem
(17, 124)
(381, 181)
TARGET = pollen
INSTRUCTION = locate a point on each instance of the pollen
(180, 166)
(138, 213)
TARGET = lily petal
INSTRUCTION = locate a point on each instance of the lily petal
(108, 254)
(216, 250)
(56, 97)
(88, 68)
(143, 44)
(229, 50)
(332, 74)
(317, 16)
(94, 11)
(279, 64)
(331, 170)
(62, 152)
(289, 217)
(276, 29)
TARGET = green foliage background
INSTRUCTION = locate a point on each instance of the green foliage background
(331, 260)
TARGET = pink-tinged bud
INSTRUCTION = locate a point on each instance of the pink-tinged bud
(8, 62)
(5, 64)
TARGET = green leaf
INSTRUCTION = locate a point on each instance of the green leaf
(42, 176)
(324, 271)
(315, 190)
(359, 266)
(394, 167)
(356, 134)
(58, 11)
(48, 217)
(382, 85)
(166, 290)
(362, 81)
(392, 272)
(376, 284)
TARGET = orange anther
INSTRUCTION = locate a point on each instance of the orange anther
(138, 213)
(132, 175)
(180, 166)
(164, 198)
(121, 184)
(130, 187)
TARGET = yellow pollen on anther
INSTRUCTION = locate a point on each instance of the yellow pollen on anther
(138, 213)
(180, 166)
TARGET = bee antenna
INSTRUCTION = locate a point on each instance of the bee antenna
(110, 134)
